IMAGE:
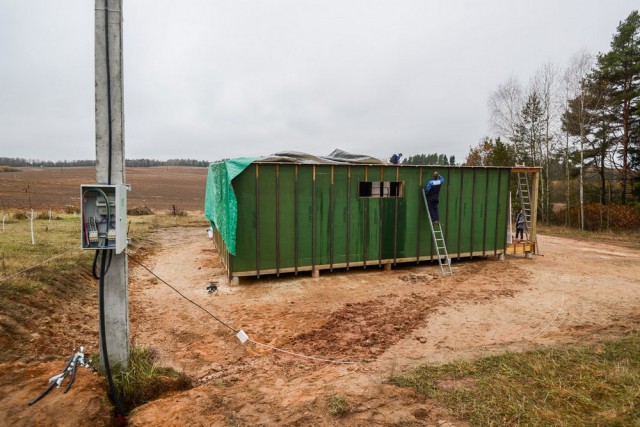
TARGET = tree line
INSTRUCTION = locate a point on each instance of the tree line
(430, 159)
(136, 163)
(575, 122)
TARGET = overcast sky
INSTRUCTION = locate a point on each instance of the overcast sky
(221, 79)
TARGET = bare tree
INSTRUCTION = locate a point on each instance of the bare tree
(579, 66)
(545, 83)
(505, 105)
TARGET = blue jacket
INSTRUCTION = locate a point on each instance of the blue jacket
(433, 189)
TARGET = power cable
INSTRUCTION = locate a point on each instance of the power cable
(94, 271)
(108, 69)
(35, 266)
(179, 293)
(121, 414)
(304, 356)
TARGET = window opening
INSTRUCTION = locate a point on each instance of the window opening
(381, 189)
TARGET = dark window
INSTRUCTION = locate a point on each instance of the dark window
(378, 189)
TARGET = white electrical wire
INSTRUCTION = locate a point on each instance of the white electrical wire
(317, 359)
(37, 265)
(552, 320)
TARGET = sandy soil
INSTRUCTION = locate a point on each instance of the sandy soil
(383, 322)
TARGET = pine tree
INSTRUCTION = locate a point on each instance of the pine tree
(619, 69)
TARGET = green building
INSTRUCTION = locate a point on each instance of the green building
(294, 213)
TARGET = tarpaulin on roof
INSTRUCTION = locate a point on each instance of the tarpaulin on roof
(336, 157)
(220, 203)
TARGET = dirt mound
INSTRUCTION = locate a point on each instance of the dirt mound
(139, 211)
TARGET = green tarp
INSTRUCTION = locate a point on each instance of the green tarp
(220, 203)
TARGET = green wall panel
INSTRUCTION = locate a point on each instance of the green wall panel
(357, 218)
(323, 215)
(286, 227)
(245, 189)
(340, 190)
(305, 229)
(267, 217)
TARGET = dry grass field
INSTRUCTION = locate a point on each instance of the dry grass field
(159, 188)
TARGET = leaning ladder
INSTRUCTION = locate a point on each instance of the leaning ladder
(438, 240)
(525, 200)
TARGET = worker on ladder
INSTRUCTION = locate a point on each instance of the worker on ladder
(432, 192)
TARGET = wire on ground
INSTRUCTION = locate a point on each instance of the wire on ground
(316, 359)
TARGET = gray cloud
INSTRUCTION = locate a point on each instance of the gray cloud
(214, 79)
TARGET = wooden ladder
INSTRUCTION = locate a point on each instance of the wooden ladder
(525, 200)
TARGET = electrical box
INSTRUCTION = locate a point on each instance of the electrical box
(103, 209)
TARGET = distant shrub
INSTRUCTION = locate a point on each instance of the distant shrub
(597, 217)
(70, 209)
(45, 215)
(178, 212)
(140, 210)
(8, 169)
(20, 215)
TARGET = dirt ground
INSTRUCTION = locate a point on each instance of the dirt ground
(382, 322)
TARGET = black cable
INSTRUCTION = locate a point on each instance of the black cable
(179, 293)
(43, 394)
(103, 341)
(52, 383)
(94, 270)
(106, 42)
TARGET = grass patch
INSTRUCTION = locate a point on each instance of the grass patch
(338, 406)
(60, 286)
(144, 380)
(51, 240)
(629, 239)
(580, 386)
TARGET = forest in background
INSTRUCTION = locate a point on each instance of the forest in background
(133, 163)
(581, 124)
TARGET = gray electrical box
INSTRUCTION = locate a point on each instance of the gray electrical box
(103, 209)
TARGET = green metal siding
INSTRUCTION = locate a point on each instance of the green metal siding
(245, 188)
(301, 217)
(286, 203)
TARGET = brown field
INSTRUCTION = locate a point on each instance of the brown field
(159, 188)
(578, 292)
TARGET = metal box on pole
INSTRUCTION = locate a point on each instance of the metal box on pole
(103, 209)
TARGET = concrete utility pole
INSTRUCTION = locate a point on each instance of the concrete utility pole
(110, 166)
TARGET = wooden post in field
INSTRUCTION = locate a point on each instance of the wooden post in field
(110, 168)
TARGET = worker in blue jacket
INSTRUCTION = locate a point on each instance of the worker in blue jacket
(432, 192)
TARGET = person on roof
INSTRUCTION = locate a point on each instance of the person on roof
(395, 159)
(432, 192)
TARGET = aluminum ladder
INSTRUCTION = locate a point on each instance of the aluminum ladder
(438, 240)
(525, 200)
